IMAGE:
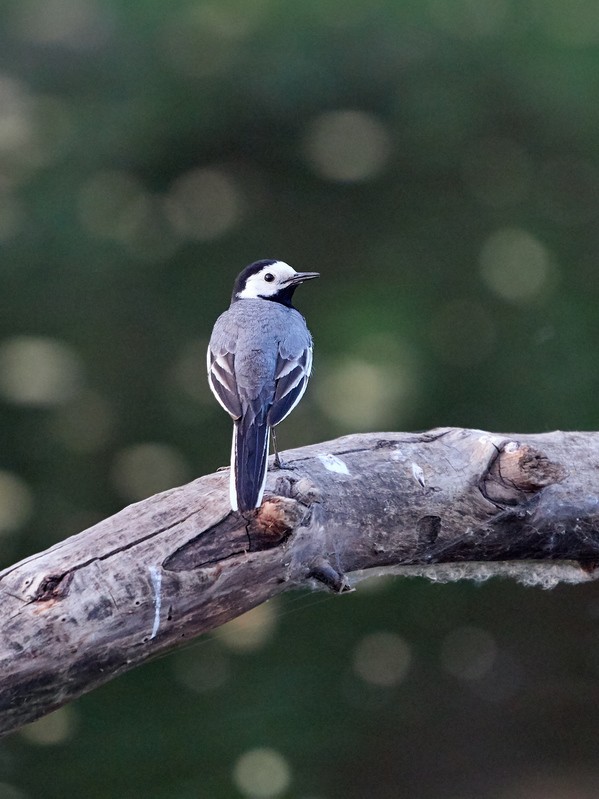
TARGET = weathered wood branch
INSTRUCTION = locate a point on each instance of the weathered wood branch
(446, 504)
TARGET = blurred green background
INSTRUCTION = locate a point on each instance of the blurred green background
(438, 163)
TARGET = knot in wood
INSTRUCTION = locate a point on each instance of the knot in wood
(274, 521)
(52, 587)
(520, 470)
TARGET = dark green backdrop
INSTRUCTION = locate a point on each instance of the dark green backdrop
(438, 163)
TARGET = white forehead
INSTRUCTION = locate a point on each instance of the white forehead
(257, 286)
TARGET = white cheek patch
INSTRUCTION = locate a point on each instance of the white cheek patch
(254, 288)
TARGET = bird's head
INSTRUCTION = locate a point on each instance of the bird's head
(269, 280)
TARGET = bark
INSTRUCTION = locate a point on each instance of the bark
(446, 504)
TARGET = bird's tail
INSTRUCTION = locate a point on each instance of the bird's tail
(249, 459)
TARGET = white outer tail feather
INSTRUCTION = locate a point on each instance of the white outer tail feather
(232, 480)
(232, 476)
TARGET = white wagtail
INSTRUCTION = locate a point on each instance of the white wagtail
(259, 361)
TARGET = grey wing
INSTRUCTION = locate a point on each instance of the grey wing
(220, 361)
(291, 379)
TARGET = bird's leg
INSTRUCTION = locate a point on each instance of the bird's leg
(277, 463)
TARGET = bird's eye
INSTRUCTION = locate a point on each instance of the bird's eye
(269, 277)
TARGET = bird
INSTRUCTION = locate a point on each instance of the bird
(259, 361)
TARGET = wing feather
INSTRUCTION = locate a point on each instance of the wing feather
(291, 379)
(221, 379)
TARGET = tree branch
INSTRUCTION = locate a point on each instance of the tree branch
(447, 504)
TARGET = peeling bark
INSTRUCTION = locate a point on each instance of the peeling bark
(447, 504)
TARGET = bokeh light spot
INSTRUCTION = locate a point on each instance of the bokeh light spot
(203, 204)
(262, 773)
(203, 39)
(347, 146)
(55, 728)
(252, 630)
(515, 265)
(14, 117)
(16, 502)
(34, 130)
(17, 140)
(361, 395)
(468, 653)
(202, 668)
(39, 371)
(145, 469)
(115, 205)
(382, 659)
(77, 24)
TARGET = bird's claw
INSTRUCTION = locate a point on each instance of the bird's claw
(279, 464)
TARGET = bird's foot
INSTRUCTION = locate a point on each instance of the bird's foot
(279, 464)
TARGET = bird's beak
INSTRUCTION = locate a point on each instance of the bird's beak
(299, 277)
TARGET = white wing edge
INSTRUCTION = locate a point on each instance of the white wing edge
(211, 380)
(305, 377)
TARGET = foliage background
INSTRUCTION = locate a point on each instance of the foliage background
(438, 163)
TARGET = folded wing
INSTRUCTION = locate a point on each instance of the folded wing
(221, 379)
(291, 379)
